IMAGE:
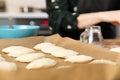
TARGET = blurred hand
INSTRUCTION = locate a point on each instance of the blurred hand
(89, 19)
(111, 17)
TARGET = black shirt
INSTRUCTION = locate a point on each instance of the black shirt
(63, 14)
(87, 6)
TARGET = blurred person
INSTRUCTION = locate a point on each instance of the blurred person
(63, 16)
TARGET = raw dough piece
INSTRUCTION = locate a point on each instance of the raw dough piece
(11, 49)
(20, 51)
(8, 66)
(55, 50)
(43, 45)
(117, 49)
(41, 63)
(29, 57)
(78, 59)
(64, 53)
(101, 61)
(51, 49)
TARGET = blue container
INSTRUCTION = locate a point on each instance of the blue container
(19, 31)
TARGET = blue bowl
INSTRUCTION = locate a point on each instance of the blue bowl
(19, 31)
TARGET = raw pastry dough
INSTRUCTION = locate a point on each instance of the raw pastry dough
(11, 49)
(102, 62)
(20, 51)
(43, 45)
(55, 50)
(30, 57)
(51, 49)
(8, 66)
(41, 63)
(78, 59)
(117, 49)
(64, 53)
(47, 47)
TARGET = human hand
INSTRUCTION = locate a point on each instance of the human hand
(111, 17)
(89, 19)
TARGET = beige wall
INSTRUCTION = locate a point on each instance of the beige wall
(13, 6)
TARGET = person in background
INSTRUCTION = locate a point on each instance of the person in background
(67, 16)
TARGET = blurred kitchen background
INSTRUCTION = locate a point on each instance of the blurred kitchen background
(25, 12)
(31, 12)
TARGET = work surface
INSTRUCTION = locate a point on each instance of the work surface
(74, 72)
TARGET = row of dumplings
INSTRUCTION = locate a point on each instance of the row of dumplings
(60, 52)
(68, 55)
(33, 58)
(39, 60)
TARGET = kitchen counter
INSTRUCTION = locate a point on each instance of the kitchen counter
(24, 15)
